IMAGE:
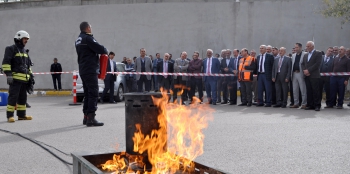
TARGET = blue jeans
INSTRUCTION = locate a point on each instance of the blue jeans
(210, 88)
(337, 87)
(264, 85)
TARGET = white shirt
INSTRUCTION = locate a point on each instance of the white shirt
(228, 61)
(279, 68)
(209, 62)
(263, 63)
(309, 55)
(112, 66)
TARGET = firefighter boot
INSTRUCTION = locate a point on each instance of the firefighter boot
(91, 121)
(11, 120)
(84, 120)
(25, 118)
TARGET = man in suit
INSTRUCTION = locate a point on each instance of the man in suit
(219, 85)
(298, 77)
(225, 80)
(255, 81)
(130, 78)
(311, 68)
(264, 69)
(155, 77)
(179, 82)
(338, 82)
(281, 76)
(143, 64)
(326, 66)
(110, 79)
(229, 86)
(195, 66)
(211, 66)
(165, 66)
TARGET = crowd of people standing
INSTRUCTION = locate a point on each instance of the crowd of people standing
(264, 80)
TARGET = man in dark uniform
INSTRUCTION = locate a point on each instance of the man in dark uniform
(16, 66)
(88, 50)
(110, 79)
(56, 67)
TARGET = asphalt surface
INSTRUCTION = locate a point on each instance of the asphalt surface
(238, 140)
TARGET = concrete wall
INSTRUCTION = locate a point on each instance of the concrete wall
(188, 25)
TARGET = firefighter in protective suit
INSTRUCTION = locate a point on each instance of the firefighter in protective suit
(16, 65)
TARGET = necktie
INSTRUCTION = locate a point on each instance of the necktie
(261, 62)
(234, 63)
(279, 64)
(208, 67)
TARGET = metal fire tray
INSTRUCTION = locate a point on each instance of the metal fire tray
(86, 163)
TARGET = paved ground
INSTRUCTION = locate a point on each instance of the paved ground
(238, 140)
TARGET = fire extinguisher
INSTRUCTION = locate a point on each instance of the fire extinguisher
(103, 66)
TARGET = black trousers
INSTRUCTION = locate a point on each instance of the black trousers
(281, 87)
(131, 85)
(325, 85)
(164, 83)
(179, 84)
(313, 92)
(273, 89)
(90, 86)
(246, 92)
(196, 83)
(109, 86)
(143, 80)
(17, 95)
(56, 77)
(219, 88)
(229, 87)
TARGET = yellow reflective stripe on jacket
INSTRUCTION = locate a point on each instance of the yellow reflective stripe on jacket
(21, 107)
(21, 55)
(10, 108)
(30, 71)
(20, 76)
(6, 67)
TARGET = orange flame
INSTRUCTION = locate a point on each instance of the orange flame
(179, 139)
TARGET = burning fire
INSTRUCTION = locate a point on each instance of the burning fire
(175, 145)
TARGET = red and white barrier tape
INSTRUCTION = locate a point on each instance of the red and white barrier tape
(182, 74)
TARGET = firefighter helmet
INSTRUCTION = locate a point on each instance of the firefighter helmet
(21, 34)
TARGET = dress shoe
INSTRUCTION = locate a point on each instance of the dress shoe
(283, 106)
(339, 107)
(183, 103)
(277, 106)
(294, 106)
(255, 103)
(249, 105)
(214, 103)
(243, 104)
(259, 105)
(210, 102)
(309, 108)
(349, 104)
(224, 102)
(273, 103)
(233, 103)
(112, 102)
(317, 109)
(218, 101)
(28, 106)
(267, 105)
(303, 107)
(328, 106)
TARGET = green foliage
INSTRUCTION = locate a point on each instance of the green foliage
(337, 9)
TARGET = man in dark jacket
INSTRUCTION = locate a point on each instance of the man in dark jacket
(165, 66)
(264, 70)
(195, 66)
(130, 78)
(110, 79)
(88, 50)
(56, 67)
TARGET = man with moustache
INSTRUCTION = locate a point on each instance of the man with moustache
(179, 82)
(326, 66)
(298, 78)
(143, 64)
(211, 65)
(165, 66)
(195, 66)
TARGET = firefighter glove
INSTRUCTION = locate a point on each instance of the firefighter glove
(9, 79)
